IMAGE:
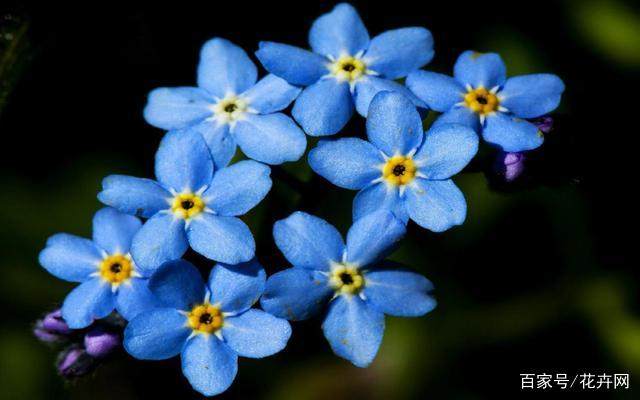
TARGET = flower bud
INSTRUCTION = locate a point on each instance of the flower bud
(511, 165)
(53, 322)
(44, 335)
(100, 343)
(544, 124)
(75, 362)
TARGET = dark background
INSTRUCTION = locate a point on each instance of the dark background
(539, 278)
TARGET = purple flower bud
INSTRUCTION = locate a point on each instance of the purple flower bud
(75, 362)
(545, 124)
(54, 322)
(511, 165)
(44, 335)
(100, 343)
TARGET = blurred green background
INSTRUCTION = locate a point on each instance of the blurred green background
(538, 279)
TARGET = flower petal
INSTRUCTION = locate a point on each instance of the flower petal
(160, 239)
(89, 301)
(324, 108)
(271, 94)
(113, 230)
(480, 69)
(221, 144)
(338, 32)
(238, 188)
(183, 162)
(458, 115)
(133, 297)
(157, 334)
(350, 163)
(223, 239)
(378, 197)
(308, 241)
(236, 287)
(446, 150)
(293, 64)
(70, 257)
(399, 292)
(397, 52)
(436, 205)
(178, 284)
(440, 92)
(177, 107)
(271, 138)
(368, 87)
(512, 134)
(256, 334)
(372, 237)
(296, 294)
(354, 329)
(209, 364)
(530, 96)
(134, 196)
(394, 125)
(225, 68)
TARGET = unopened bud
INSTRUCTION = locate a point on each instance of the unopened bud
(100, 343)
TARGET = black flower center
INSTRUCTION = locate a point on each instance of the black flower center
(186, 204)
(482, 100)
(346, 278)
(348, 67)
(399, 169)
(206, 318)
(231, 107)
(115, 268)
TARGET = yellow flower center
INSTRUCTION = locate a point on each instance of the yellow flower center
(481, 101)
(187, 205)
(116, 268)
(346, 279)
(348, 68)
(230, 109)
(205, 318)
(399, 170)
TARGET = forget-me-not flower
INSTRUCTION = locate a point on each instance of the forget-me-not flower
(228, 107)
(400, 168)
(345, 67)
(353, 279)
(192, 203)
(108, 275)
(209, 325)
(480, 96)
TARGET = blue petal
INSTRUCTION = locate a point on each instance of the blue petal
(134, 196)
(399, 292)
(373, 237)
(354, 329)
(379, 197)
(183, 162)
(134, 297)
(530, 96)
(271, 94)
(296, 294)
(368, 87)
(394, 125)
(272, 138)
(178, 285)
(339, 32)
(308, 241)
(293, 64)
(480, 69)
(221, 144)
(446, 150)
(177, 108)
(238, 188)
(160, 239)
(324, 108)
(223, 239)
(436, 205)
(89, 301)
(512, 134)
(236, 287)
(256, 334)
(440, 92)
(70, 257)
(113, 231)
(459, 115)
(209, 364)
(397, 52)
(350, 163)
(157, 334)
(225, 68)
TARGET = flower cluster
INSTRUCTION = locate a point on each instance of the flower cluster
(134, 264)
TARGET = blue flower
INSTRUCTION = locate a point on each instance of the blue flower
(345, 67)
(357, 284)
(108, 275)
(192, 203)
(209, 325)
(399, 168)
(480, 96)
(228, 107)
